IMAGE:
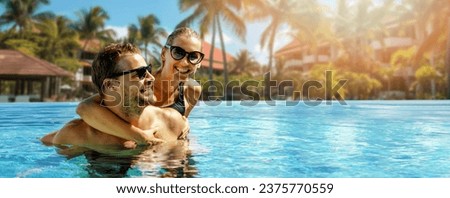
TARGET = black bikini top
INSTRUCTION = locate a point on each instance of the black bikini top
(179, 101)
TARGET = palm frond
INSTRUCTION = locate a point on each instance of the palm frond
(235, 22)
(198, 13)
(184, 5)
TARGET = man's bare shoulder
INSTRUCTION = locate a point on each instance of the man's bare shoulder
(76, 127)
(154, 112)
(73, 132)
(150, 109)
(76, 124)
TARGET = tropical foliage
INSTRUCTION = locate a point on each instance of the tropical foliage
(147, 33)
(358, 37)
(91, 25)
(59, 39)
(21, 14)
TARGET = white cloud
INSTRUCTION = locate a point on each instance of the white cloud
(257, 48)
(121, 32)
(261, 55)
(283, 38)
(262, 59)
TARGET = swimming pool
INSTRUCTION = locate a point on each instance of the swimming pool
(388, 139)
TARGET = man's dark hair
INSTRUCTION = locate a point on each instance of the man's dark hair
(105, 63)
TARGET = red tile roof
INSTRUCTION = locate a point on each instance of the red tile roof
(16, 63)
(293, 47)
(217, 56)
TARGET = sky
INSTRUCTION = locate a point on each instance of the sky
(124, 13)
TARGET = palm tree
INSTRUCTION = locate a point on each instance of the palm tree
(91, 25)
(59, 40)
(22, 14)
(356, 26)
(210, 13)
(296, 14)
(447, 59)
(133, 35)
(244, 63)
(149, 32)
(426, 14)
(425, 75)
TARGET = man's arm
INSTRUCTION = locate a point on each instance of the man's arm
(47, 140)
(106, 121)
(68, 151)
(77, 136)
(72, 133)
(75, 132)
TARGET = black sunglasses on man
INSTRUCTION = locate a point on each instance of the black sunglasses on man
(140, 71)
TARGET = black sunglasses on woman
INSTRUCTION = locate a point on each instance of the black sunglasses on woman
(179, 53)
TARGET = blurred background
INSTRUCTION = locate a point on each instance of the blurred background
(384, 49)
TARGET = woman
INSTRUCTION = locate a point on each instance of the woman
(173, 88)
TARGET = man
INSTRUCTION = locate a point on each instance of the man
(125, 85)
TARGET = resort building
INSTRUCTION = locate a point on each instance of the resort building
(24, 78)
(399, 37)
(302, 57)
(217, 59)
(83, 76)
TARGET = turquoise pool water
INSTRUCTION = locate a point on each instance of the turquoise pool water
(388, 139)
